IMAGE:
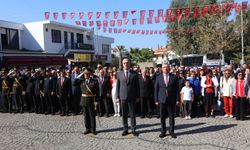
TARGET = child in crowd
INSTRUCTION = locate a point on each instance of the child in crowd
(187, 97)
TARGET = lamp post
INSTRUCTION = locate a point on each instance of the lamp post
(242, 36)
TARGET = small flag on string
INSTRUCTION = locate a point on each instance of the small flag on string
(142, 13)
(116, 13)
(125, 14)
(81, 14)
(107, 14)
(151, 13)
(160, 12)
(141, 21)
(187, 13)
(64, 15)
(72, 15)
(55, 15)
(90, 14)
(119, 22)
(126, 21)
(46, 15)
(112, 22)
(98, 15)
(134, 21)
(78, 23)
(84, 23)
(105, 23)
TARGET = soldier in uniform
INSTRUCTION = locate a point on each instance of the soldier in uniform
(17, 92)
(90, 93)
(6, 91)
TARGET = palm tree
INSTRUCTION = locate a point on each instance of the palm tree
(121, 49)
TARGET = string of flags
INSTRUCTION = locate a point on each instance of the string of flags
(170, 14)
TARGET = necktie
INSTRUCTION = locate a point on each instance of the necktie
(61, 81)
(166, 82)
(126, 75)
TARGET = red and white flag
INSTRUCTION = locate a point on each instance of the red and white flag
(120, 31)
(172, 18)
(90, 14)
(134, 21)
(212, 9)
(84, 23)
(238, 8)
(72, 15)
(116, 13)
(160, 32)
(78, 23)
(178, 13)
(138, 31)
(151, 13)
(204, 11)
(98, 15)
(143, 32)
(107, 14)
(104, 29)
(141, 21)
(115, 30)
(81, 14)
(129, 31)
(105, 23)
(157, 19)
(98, 27)
(164, 19)
(147, 31)
(150, 21)
(55, 15)
(134, 31)
(124, 30)
(160, 12)
(196, 12)
(112, 23)
(124, 14)
(46, 15)
(64, 15)
(133, 11)
(187, 13)
(169, 12)
(142, 13)
(119, 22)
(98, 23)
(155, 32)
(91, 23)
(151, 32)
(110, 30)
(126, 21)
(233, 5)
(244, 5)
(228, 9)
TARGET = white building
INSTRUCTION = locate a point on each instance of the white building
(163, 55)
(52, 38)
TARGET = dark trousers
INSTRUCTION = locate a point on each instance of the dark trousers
(49, 102)
(89, 116)
(76, 103)
(64, 104)
(7, 103)
(17, 98)
(240, 108)
(170, 109)
(39, 104)
(128, 107)
(195, 105)
(187, 106)
(31, 102)
(145, 106)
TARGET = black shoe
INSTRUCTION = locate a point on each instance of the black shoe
(86, 132)
(134, 133)
(142, 117)
(149, 116)
(106, 115)
(162, 135)
(124, 133)
(94, 132)
(173, 136)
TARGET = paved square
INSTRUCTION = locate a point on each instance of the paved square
(32, 131)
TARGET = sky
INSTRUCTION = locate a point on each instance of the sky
(23, 11)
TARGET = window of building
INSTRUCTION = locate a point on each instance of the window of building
(79, 38)
(9, 38)
(56, 36)
(105, 48)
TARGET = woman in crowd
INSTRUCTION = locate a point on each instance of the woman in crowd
(114, 99)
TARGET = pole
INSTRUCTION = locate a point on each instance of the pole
(242, 37)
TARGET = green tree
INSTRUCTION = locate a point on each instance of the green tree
(141, 55)
(121, 50)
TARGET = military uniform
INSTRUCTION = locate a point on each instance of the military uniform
(17, 93)
(6, 91)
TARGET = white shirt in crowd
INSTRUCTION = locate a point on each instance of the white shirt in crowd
(187, 93)
(226, 86)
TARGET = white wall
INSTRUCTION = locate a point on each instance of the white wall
(33, 36)
(99, 40)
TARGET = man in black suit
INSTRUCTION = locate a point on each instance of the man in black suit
(63, 92)
(104, 85)
(127, 92)
(146, 89)
(166, 91)
(76, 92)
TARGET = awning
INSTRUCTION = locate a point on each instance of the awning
(33, 60)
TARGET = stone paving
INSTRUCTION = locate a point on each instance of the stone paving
(32, 131)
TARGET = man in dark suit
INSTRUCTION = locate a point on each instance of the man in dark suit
(104, 85)
(166, 91)
(146, 89)
(89, 95)
(76, 92)
(127, 92)
(63, 92)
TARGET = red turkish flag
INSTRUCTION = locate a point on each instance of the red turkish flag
(178, 12)
(120, 31)
(81, 14)
(112, 22)
(124, 30)
(129, 31)
(90, 14)
(142, 13)
(78, 23)
(204, 11)
(151, 13)
(169, 12)
(134, 21)
(187, 13)
(98, 27)
(98, 15)
(212, 9)
(143, 32)
(72, 15)
(157, 20)
(138, 31)
(155, 32)
(119, 22)
(151, 32)
(160, 12)
(98, 23)
(91, 23)
(115, 30)
(116, 13)
(234, 5)
(141, 21)
(150, 21)
(164, 19)
(196, 12)
(133, 11)
(46, 15)
(228, 9)
(160, 32)
(172, 18)
(64, 15)
(55, 15)
(179, 18)
(104, 29)
(238, 8)
(221, 8)
(110, 30)
(107, 14)
(125, 14)
(133, 32)
(244, 5)
(105, 23)
(147, 32)
(84, 23)
(126, 21)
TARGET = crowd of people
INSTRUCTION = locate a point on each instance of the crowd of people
(200, 91)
